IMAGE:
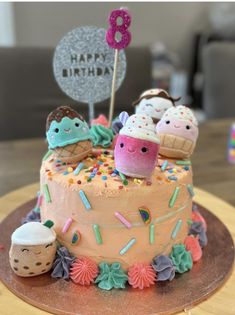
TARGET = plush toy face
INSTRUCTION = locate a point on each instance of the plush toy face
(67, 131)
(181, 128)
(154, 107)
(135, 157)
(32, 260)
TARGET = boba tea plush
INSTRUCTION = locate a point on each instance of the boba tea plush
(178, 132)
(33, 249)
(68, 135)
(137, 147)
(154, 103)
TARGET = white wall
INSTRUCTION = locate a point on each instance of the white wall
(43, 24)
(7, 30)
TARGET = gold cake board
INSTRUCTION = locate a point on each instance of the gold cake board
(159, 299)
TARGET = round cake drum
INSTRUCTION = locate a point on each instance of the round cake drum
(64, 297)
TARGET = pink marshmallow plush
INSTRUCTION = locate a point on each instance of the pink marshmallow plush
(137, 147)
(178, 132)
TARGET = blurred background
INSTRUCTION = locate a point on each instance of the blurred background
(185, 48)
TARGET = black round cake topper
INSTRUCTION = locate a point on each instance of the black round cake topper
(83, 65)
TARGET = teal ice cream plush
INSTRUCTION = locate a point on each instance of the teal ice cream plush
(68, 134)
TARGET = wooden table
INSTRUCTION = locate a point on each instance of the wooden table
(222, 302)
(21, 160)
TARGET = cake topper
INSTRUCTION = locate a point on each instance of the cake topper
(154, 103)
(68, 134)
(178, 132)
(33, 249)
(121, 28)
(83, 66)
(137, 147)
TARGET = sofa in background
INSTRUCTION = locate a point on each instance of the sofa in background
(28, 90)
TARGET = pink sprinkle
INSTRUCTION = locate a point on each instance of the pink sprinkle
(67, 225)
(39, 201)
(123, 220)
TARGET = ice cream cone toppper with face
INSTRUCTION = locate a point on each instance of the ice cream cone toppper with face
(137, 146)
(178, 132)
(68, 135)
(33, 249)
(154, 103)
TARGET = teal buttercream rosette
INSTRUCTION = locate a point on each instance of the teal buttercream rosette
(181, 258)
(111, 276)
(101, 135)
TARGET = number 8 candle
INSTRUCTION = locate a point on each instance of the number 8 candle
(115, 28)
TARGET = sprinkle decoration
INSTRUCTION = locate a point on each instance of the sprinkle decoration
(122, 219)
(164, 165)
(145, 214)
(76, 237)
(151, 234)
(190, 190)
(174, 197)
(127, 247)
(47, 193)
(67, 225)
(176, 229)
(181, 162)
(78, 169)
(123, 178)
(98, 236)
(84, 199)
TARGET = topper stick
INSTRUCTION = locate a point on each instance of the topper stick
(112, 101)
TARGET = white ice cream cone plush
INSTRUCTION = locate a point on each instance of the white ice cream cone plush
(33, 249)
(178, 132)
(68, 135)
(154, 103)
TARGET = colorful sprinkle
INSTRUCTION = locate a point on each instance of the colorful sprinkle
(190, 190)
(98, 237)
(164, 165)
(181, 162)
(104, 177)
(78, 169)
(67, 225)
(123, 220)
(128, 246)
(47, 193)
(70, 169)
(84, 199)
(151, 233)
(145, 214)
(176, 229)
(76, 237)
(174, 197)
(123, 178)
(172, 178)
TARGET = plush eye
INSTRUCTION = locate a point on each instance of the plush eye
(24, 250)
(121, 145)
(48, 245)
(167, 122)
(77, 124)
(56, 130)
(144, 149)
(188, 127)
(150, 105)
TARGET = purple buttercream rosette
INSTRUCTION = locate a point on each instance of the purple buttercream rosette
(116, 125)
(164, 268)
(62, 263)
(197, 228)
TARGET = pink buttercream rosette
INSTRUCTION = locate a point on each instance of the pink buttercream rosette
(192, 245)
(141, 275)
(83, 271)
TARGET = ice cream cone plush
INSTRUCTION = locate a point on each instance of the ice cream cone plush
(178, 132)
(68, 135)
(33, 249)
(137, 147)
(154, 103)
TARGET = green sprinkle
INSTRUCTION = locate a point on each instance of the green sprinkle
(190, 190)
(174, 197)
(98, 237)
(127, 247)
(125, 182)
(46, 156)
(47, 193)
(176, 229)
(164, 165)
(89, 179)
(123, 178)
(181, 162)
(190, 222)
(151, 233)
(48, 223)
